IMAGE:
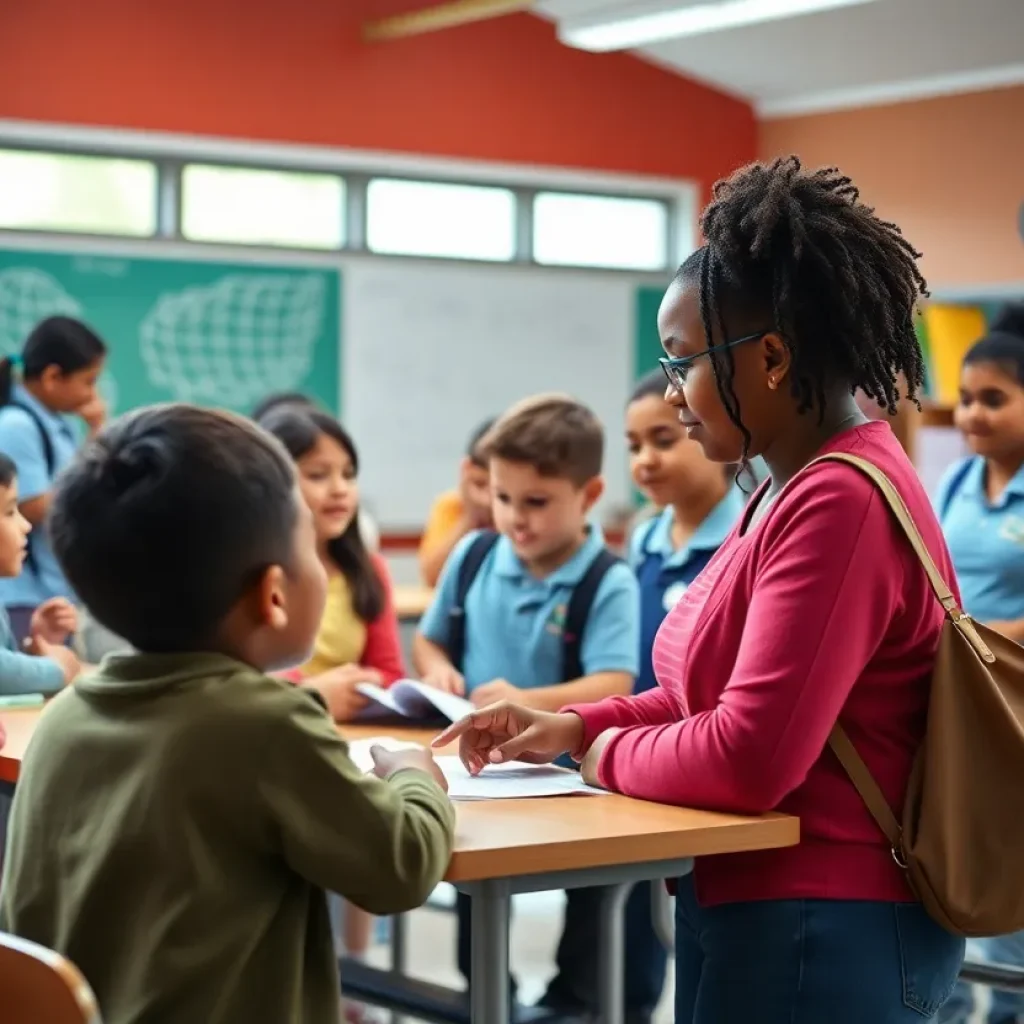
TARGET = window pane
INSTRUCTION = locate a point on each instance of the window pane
(236, 204)
(422, 218)
(600, 231)
(58, 192)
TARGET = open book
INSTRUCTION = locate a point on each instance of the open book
(413, 700)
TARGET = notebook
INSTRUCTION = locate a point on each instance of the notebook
(412, 700)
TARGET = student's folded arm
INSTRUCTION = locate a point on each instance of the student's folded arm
(382, 845)
(828, 585)
(23, 673)
(383, 650)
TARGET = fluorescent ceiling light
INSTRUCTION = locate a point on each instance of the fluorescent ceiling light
(641, 29)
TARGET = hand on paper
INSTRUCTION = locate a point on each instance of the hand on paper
(494, 691)
(387, 762)
(509, 732)
(446, 678)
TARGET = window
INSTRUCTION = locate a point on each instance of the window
(422, 218)
(600, 231)
(60, 192)
(253, 207)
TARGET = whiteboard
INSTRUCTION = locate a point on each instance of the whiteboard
(432, 350)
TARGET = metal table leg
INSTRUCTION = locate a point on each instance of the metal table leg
(398, 953)
(611, 954)
(490, 995)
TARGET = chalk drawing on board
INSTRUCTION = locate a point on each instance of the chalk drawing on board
(233, 341)
(28, 295)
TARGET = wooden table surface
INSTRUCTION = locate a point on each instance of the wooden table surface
(507, 838)
(412, 601)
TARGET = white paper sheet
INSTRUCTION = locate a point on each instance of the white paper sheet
(409, 698)
(359, 750)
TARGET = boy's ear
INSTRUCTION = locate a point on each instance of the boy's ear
(592, 491)
(271, 598)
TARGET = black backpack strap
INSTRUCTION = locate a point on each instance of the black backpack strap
(471, 563)
(579, 611)
(44, 436)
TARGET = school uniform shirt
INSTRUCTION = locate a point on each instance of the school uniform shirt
(21, 442)
(820, 612)
(665, 573)
(986, 540)
(177, 823)
(22, 673)
(514, 621)
(344, 639)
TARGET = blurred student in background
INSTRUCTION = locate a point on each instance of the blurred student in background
(58, 369)
(296, 399)
(699, 502)
(980, 503)
(456, 513)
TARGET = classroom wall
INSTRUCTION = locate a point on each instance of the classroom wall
(947, 170)
(504, 90)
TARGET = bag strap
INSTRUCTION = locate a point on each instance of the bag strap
(468, 570)
(578, 612)
(853, 764)
(44, 436)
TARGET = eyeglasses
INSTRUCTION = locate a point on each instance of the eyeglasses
(676, 369)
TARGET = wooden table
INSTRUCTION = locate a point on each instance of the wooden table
(412, 601)
(503, 847)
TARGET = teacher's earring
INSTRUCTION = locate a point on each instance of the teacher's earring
(772, 383)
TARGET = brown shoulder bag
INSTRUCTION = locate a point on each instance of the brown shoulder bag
(961, 838)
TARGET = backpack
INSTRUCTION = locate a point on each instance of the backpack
(575, 617)
(960, 837)
(51, 464)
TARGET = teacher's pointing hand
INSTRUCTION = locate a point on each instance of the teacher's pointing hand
(509, 732)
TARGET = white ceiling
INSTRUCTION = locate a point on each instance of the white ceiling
(877, 52)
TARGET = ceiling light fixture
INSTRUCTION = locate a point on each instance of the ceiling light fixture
(641, 29)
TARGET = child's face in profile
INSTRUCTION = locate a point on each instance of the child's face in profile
(327, 479)
(14, 531)
(69, 392)
(543, 516)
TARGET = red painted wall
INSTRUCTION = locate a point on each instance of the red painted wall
(298, 71)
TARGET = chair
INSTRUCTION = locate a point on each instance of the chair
(37, 984)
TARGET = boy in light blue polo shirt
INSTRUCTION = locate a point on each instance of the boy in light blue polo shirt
(545, 458)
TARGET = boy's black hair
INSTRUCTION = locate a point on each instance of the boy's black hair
(1004, 349)
(162, 522)
(59, 341)
(280, 400)
(797, 252)
(8, 471)
(653, 384)
(1009, 319)
(473, 448)
(298, 430)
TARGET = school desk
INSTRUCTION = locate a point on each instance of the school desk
(411, 602)
(504, 847)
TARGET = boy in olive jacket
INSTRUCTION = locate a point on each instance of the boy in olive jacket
(180, 814)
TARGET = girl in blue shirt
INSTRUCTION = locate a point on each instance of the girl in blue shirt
(700, 504)
(980, 503)
(59, 366)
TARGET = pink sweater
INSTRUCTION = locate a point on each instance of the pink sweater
(819, 613)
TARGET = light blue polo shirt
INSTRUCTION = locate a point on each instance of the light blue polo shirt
(986, 540)
(21, 442)
(514, 621)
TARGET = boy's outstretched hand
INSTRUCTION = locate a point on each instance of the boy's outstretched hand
(54, 621)
(509, 732)
(387, 762)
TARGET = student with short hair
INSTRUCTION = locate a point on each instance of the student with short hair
(180, 814)
(456, 513)
(506, 632)
(59, 366)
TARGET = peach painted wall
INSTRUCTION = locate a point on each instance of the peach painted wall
(949, 171)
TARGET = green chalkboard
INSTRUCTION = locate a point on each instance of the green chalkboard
(646, 345)
(213, 333)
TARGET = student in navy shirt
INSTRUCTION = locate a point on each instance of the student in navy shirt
(700, 503)
(59, 366)
(980, 503)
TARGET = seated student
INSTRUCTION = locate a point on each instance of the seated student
(508, 632)
(181, 813)
(456, 513)
(60, 364)
(700, 504)
(296, 399)
(53, 622)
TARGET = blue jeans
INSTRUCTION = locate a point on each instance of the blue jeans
(1006, 1006)
(810, 962)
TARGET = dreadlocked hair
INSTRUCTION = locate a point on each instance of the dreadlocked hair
(839, 284)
